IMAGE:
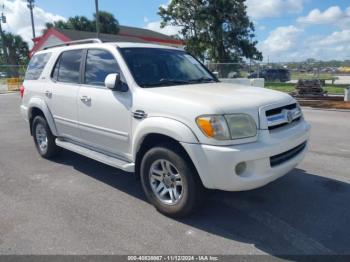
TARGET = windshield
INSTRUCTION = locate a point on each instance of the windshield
(154, 67)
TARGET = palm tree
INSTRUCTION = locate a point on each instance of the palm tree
(17, 52)
(108, 23)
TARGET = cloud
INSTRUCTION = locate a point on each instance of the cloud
(18, 19)
(336, 39)
(167, 30)
(332, 15)
(281, 39)
(273, 8)
(291, 43)
(297, 42)
(334, 46)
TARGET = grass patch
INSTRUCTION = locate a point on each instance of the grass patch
(290, 87)
(308, 76)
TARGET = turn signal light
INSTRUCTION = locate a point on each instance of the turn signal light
(206, 126)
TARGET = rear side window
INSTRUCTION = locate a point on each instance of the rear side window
(69, 66)
(36, 66)
(99, 63)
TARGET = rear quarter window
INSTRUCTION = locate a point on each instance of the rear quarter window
(36, 66)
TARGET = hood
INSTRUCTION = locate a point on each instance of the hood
(190, 101)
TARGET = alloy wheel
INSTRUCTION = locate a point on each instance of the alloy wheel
(166, 182)
(41, 137)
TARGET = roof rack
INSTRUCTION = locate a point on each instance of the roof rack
(77, 42)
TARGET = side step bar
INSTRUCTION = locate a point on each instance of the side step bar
(108, 160)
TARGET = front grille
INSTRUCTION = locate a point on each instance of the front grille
(284, 124)
(282, 116)
(284, 157)
(278, 110)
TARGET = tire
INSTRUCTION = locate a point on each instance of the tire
(43, 138)
(170, 161)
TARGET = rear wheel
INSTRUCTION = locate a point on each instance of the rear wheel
(170, 181)
(43, 138)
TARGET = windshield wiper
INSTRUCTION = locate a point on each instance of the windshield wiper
(165, 82)
(202, 80)
(173, 81)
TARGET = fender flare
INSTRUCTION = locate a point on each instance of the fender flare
(36, 102)
(164, 126)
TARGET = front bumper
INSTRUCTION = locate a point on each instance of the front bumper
(216, 164)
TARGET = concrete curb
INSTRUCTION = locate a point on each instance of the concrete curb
(326, 109)
(9, 92)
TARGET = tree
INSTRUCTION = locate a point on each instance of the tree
(80, 23)
(17, 49)
(218, 30)
(57, 24)
(108, 23)
(17, 52)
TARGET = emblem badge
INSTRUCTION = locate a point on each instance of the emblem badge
(289, 115)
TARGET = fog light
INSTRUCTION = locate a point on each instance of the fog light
(241, 168)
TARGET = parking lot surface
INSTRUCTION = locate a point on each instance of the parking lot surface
(74, 205)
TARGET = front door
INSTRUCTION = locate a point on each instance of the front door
(103, 114)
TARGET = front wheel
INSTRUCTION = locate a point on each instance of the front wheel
(170, 181)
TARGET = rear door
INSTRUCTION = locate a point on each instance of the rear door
(104, 115)
(62, 97)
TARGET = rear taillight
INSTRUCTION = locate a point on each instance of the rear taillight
(21, 91)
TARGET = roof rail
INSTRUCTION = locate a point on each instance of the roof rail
(77, 42)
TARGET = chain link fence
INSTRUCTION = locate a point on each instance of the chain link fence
(11, 77)
(233, 70)
(281, 73)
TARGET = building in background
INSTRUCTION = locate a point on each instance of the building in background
(55, 36)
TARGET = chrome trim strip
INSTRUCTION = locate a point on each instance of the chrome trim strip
(107, 130)
(62, 119)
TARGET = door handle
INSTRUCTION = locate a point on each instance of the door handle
(48, 93)
(85, 99)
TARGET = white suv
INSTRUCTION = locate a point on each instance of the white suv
(158, 112)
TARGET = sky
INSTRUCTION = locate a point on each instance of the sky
(286, 30)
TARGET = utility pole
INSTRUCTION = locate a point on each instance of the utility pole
(97, 19)
(31, 6)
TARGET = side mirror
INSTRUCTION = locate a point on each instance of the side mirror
(113, 82)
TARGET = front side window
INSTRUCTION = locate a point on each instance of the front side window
(36, 66)
(153, 67)
(69, 66)
(99, 64)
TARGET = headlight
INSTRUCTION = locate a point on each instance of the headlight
(226, 127)
(241, 126)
